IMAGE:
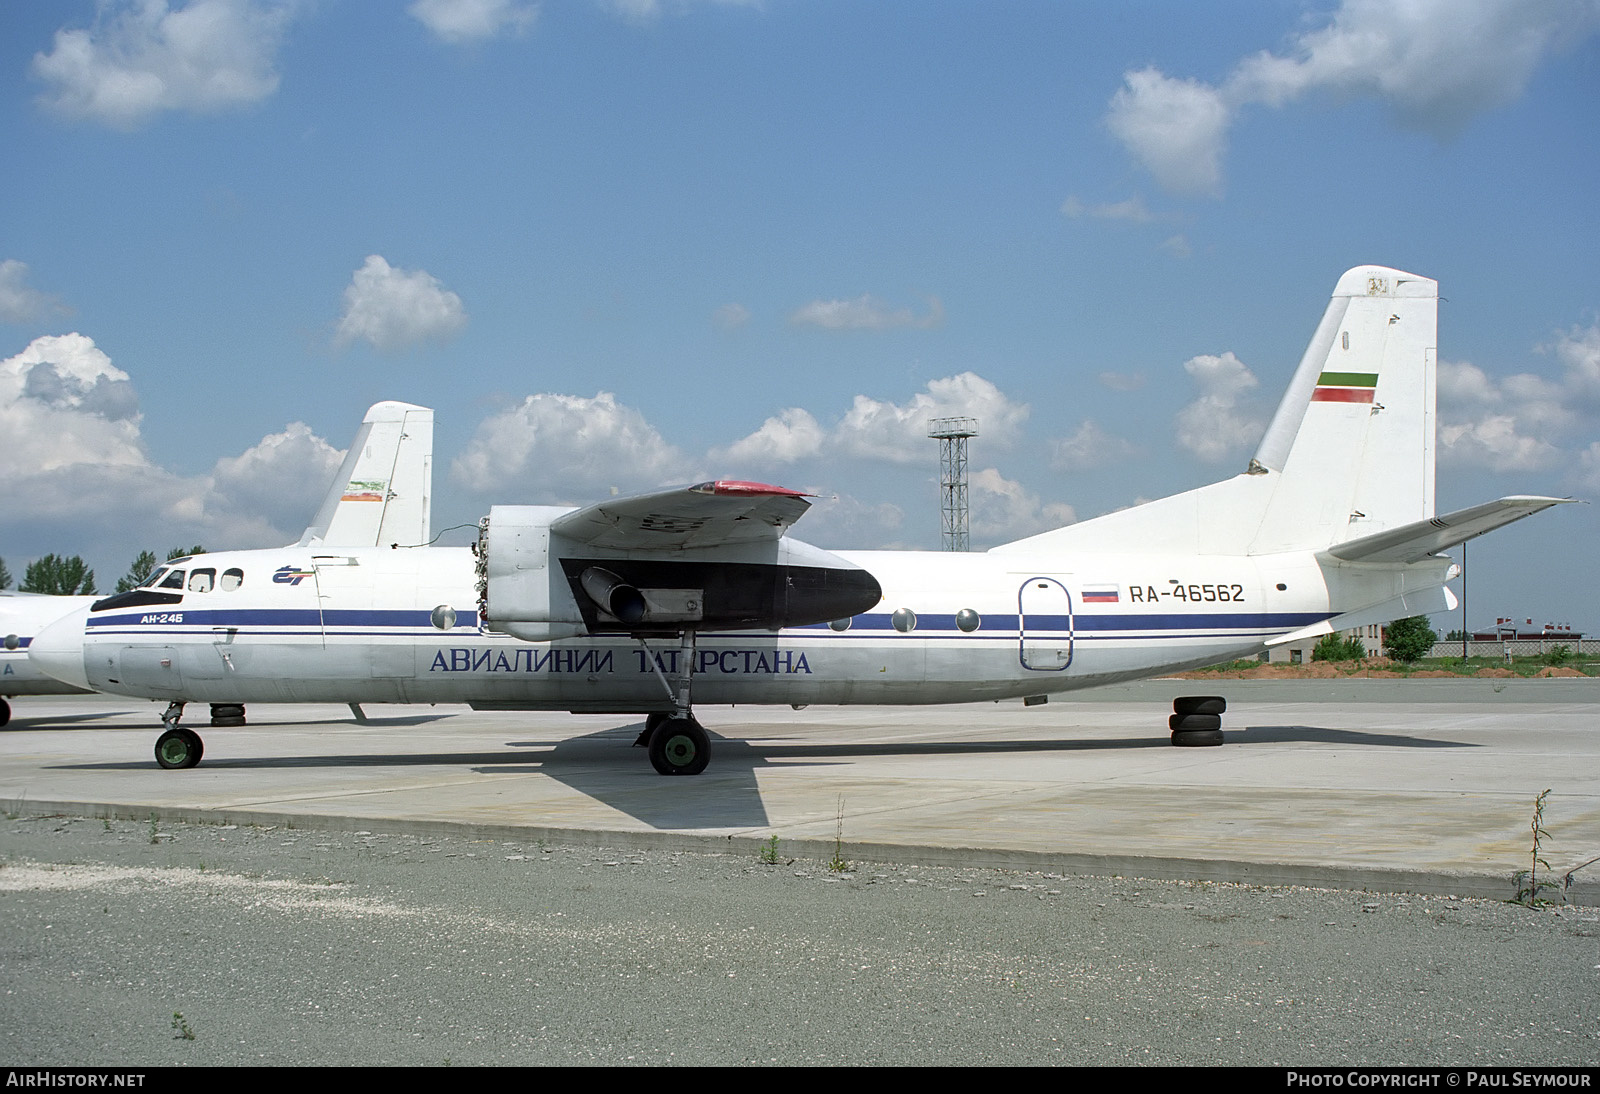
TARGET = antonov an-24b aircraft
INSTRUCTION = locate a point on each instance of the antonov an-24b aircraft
(649, 604)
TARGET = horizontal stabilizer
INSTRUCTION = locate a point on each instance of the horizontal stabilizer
(1422, 602)
(1419, 539)
(706, 515)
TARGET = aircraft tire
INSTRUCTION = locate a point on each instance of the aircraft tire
(1197, 738)
(680, 747)
(5, 712)
(1178, 723)
(177, 749)
(1200, 704)
(227, 714)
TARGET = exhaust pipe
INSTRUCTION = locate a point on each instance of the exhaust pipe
(614, 595)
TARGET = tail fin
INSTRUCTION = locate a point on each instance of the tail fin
(383, 492)
(1352, 445)
(1349, 453)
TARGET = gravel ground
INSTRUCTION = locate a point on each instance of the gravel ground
(284, 946)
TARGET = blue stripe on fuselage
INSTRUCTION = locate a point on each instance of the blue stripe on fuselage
(285, 617)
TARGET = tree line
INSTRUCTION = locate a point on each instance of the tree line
(60, 575)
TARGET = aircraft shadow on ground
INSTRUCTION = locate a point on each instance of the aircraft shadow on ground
(1326, 736)
(67, 721)
(605, 766)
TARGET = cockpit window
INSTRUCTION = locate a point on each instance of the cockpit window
(151, 581)
(173, 580)
(200, 581)
(231, 580)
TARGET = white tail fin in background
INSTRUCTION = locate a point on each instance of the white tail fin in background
(1349, 453)
(383, 492)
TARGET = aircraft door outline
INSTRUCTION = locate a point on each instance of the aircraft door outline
(1048, 646)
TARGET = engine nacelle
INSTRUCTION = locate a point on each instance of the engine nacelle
(535, 584)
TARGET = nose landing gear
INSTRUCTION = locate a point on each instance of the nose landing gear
(177, 748)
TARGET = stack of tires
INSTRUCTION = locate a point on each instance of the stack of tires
(1197, 720)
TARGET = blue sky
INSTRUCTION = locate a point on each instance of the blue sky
(623, 244)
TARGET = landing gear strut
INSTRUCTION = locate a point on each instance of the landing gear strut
(678, 744)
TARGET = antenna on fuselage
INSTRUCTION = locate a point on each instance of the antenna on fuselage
(952, 434)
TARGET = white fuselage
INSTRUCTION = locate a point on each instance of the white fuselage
(360, 626)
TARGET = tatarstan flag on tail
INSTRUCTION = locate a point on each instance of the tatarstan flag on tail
(1345, 387)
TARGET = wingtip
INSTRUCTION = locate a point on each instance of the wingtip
(746, 489)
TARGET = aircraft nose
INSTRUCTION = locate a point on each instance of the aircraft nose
(58, 649)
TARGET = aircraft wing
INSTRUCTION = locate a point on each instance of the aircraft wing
(705, 515)
(1419, 539)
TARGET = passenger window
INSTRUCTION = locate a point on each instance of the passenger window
(231, 580)
(173, 580)
(200, 581)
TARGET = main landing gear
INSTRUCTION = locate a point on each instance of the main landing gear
(678, 744)
(1197, 720)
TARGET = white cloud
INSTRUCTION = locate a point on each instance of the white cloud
(280, 480)
(78, 475)
(1090, 446)
(63, 403)
(1509, 424)
(1587, 475)
(1000, 510)
(865, 312)
(1494, 441)
(1524, 421)
(731, 316)
(20, 303)
(787, 437)
(461, 21)
(642, 12)
(1133, 209)
(1176, 128)
(1579, 350)
(1177, 246)
(1436, 63)
(569, 448)
(1224, 421)
(393, 308)
(845, 522)
(141, 57)
(899, 433)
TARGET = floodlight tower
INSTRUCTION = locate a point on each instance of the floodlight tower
(952, 434)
